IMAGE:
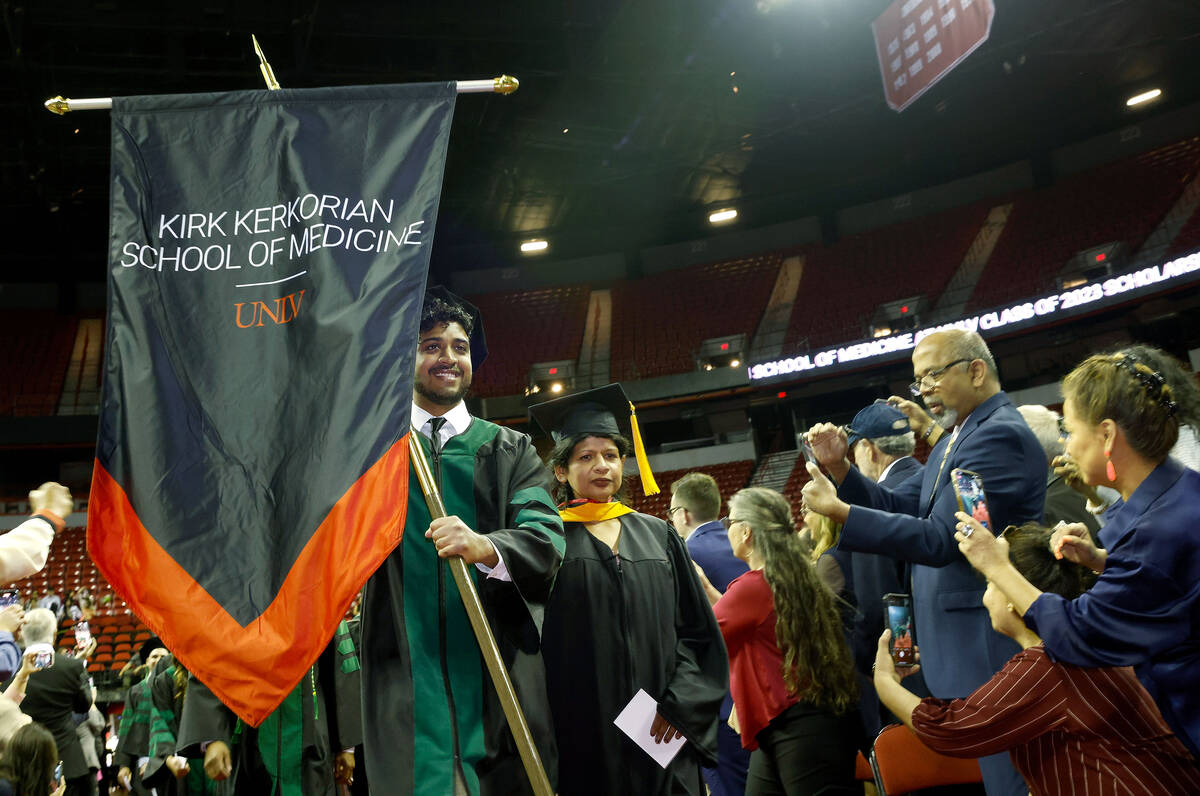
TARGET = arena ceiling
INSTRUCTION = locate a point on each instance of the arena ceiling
(627, 128)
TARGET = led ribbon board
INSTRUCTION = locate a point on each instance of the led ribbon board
(1022, 316)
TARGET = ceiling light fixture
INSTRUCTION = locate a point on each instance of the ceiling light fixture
(1145, 96)
(721, 216)
(530, 246)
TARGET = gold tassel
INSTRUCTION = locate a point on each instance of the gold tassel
(639, 451)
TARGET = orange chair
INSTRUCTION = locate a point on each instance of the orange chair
(903, 764)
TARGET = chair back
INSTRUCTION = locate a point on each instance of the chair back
(904, 764)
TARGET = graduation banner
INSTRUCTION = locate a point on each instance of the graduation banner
(267, 262)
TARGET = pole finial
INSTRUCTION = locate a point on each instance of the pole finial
(58, 105)
(267, 72)
(505, 84)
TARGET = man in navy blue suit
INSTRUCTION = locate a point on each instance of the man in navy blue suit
(882, 442)
(956, 376)
(695, 507)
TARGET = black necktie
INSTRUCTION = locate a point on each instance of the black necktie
(435, 438)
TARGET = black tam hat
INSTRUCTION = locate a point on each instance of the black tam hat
(605, 411)
(437, 294)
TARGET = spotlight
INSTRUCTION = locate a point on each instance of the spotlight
(1145, 96)
(708, 366)
(735, 363)
(530, 246)
(556, 387)
(722, 216)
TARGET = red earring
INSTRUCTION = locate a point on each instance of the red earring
(1109, 470)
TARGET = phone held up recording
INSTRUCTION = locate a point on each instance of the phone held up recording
(968, 486)
(902, 646)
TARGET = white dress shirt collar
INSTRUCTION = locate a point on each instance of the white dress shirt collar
(458, 420)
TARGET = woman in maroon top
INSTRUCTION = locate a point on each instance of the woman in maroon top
(1069, 730)
(790, 671)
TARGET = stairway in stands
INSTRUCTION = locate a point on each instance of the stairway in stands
(775, 469)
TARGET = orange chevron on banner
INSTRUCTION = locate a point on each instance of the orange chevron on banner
(252, 668)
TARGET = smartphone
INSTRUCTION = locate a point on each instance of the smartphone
(10, 597)
(898, 608)
(807, 452)
(58, 774)
(968, 486)
(83, 634)
(44, 657)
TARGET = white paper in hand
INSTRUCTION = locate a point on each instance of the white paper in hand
(635, 721)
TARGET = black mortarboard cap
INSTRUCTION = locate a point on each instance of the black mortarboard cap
(149, 646)
(605, 411)
(478, 340)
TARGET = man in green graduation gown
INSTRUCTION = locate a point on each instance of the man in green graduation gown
(432, 721)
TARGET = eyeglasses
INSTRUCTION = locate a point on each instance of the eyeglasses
(671, 512)
(933, 377)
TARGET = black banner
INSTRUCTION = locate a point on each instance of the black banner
(268, 256)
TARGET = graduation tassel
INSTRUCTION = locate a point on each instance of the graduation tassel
(649, 486)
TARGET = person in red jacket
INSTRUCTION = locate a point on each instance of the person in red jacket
(795, 693)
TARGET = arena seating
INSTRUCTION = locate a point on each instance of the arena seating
(844, 283)
(730, 477)
(1188, 239)
(33, 358)
(659, 322)
(525, 327)
(1122, 201)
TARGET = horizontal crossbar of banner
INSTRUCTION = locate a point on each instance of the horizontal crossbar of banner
(505, 84)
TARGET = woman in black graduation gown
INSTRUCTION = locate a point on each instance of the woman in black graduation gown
(627, 612)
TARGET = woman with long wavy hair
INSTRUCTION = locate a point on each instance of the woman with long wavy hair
(794, 688)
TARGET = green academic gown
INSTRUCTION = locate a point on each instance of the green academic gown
(429, 706)
(292, 752)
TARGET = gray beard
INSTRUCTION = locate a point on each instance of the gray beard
(948, 418)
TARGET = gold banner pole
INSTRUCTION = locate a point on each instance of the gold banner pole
(483, 632)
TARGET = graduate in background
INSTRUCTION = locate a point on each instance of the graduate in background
(627, 612)
(304, 748)
(133, 733)
(167, 772)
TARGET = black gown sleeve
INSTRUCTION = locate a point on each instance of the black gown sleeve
(340, 673)
(205, 718)
(692, 700)
(531, 539)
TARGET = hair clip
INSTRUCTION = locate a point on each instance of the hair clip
(1152, 382)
